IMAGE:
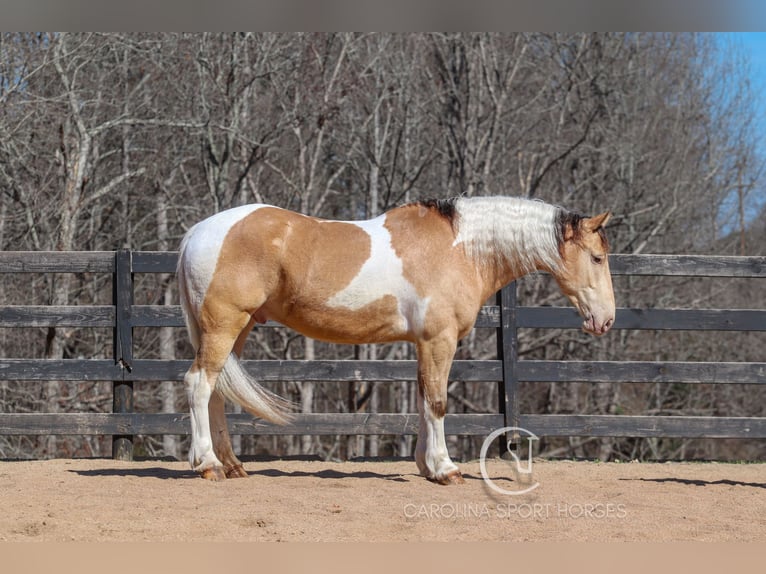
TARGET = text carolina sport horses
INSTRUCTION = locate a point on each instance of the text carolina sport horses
(417, 273)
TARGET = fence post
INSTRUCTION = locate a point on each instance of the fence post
(122, 402)
(507, 352)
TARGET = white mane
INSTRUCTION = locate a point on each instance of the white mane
(519, 232)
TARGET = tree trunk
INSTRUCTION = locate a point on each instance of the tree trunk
(307, 396)
(168, 391)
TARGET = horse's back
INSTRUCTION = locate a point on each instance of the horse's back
(343, 281)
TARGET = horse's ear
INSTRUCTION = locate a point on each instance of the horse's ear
(597, 221)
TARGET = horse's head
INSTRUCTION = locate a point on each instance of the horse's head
(584, 272)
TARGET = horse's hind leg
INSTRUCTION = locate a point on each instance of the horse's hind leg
(199, 390)
(214, 349)
(219, 430)
(222, 448)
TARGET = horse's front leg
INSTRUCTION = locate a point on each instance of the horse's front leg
(434, 362)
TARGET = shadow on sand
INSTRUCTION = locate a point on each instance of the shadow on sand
(698, 482)
(332, 474)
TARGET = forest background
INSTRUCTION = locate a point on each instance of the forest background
(126, 140)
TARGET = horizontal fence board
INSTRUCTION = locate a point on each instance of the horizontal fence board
(640, 372)
(544, 318)
(644, 426)
(178, 423)
(360, 423)
(387, 371)
(264, 371)
(154, 261)
(395, 424)
(693, 319)
(659, 319)
(59, 370)
(489, 317)
(156, 316)
(165, 262)
(51, 316)
(168, 316)
(328, 370)
(171, 316)
(688, 265)
(56, 261)
(81, 423)
(619, 264)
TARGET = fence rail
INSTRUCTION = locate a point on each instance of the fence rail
(506, 317)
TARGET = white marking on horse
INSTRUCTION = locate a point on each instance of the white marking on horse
(381, 275)
(202, 246)
(431, 451)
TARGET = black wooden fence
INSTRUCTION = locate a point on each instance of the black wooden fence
(506, 316)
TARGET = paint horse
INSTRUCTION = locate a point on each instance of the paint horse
(417, 273)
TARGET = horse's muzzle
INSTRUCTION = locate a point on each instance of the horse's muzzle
(595, 327)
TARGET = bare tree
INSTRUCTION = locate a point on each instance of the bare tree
(112, 140)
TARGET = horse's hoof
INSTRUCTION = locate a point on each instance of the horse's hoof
(214, 473)
(453, 477)
(236, 471)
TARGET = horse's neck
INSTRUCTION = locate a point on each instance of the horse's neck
(508, 237)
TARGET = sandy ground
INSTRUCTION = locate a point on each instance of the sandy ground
(305, 500)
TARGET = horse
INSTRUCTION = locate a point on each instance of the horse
(419, 273)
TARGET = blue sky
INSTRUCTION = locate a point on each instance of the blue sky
(753, 45)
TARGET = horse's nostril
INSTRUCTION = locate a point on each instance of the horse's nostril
(608, 324)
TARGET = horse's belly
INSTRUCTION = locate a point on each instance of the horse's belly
(377, 322)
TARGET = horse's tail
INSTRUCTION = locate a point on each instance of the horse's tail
(233, 382)
(239, 386)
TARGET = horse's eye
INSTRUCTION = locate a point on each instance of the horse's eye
(597, 259)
